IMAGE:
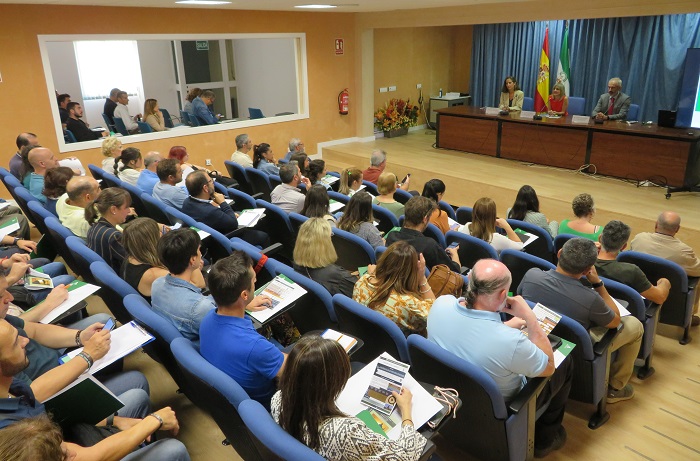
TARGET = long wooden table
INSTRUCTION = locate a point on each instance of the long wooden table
(630, 151)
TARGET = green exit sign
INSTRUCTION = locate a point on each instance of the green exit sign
(202, 45)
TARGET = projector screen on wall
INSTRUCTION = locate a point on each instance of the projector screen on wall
(689, 104)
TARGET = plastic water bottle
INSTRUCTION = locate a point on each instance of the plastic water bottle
(440, 93)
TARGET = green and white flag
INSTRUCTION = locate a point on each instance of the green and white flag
(563, 71)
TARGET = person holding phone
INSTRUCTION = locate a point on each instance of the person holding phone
(472, 329)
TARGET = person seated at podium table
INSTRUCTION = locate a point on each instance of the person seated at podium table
(614, 104)
(511, 96)
(558, 101)
(305, 407)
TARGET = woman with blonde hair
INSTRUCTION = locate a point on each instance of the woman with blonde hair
(558, 101)
(584, 210)
(142, 265)
(358, 219)
(315, 373)
(153, 116)
(111, 149)
(315, 257)
(350, 181)
(398, 288)
(483, 226)
(386, 185)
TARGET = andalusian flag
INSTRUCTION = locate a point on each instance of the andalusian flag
(542, 93)
(563, 71)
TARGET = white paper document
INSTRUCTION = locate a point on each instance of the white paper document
(492, 111)
(525, 237)
(546, 317)
(335, 206)
(623, 310)
(580, 119)
(4, 205)
(73, 163)
(249, 218)
(454, 225)
(527, 114)
(282, 291)
(77, 291)
(350, 400)
(327, 180)
(9, 227)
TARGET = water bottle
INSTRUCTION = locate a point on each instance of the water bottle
(440, 93)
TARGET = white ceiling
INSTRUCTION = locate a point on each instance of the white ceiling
(345, 6)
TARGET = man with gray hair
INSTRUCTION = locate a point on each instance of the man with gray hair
(201, 110)
(614, 104)
(287, 195)
(561, 290)
(148, 177)
(111, 104)
(243, 145)
(613, 240)
(377, 163)
(296, 146)
(664, 244)
(472, 329)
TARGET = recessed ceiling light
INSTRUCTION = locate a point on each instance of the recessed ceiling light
(316, 7)
(203, 2)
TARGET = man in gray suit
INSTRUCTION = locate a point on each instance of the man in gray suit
(614, 104)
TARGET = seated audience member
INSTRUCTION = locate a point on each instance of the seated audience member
(584, 210)
(511, 95)
(398, 288)
(104, 214)
(38, 161)
(316, 421)
(153, 116)
(111, 104)
(243, 145)
(193, 93)
(13, 270)
(317, 171)
(167, 191)
(562, 291)
(55, 182)
(417, 215)
(209, 207)
(228, 339)
(664, 244)
(264, 159)
(315, 257)
(180, 154)
(201, 110)
(359, 220)
(317, 203)
(175, 297)
(295, 146)
(558, 101)
(473, 330)
(63, 101)
(70, 207)
(23, 140)
(131, 165)
(350, 181)
(133, 421)
(377, 163)
(483, 226)
(287, 195)
(527, 208)
(434, 189)
(302, 161)
(111, 149)
(386, 185)
(122, 111)
(614, 104)
(148, 177)
(80, 128)
(142, 266)
(613, 240)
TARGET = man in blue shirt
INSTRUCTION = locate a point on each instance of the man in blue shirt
(149, 177)
(228, 339)
(473, 330)
(41, 159)
(169, 172)
(201, 110)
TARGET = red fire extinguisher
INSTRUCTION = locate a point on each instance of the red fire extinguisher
(343, 101)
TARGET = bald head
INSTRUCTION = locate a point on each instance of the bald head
(488, 280)
(42, 159)
(81, 190)
(150, 161)
(668, 222)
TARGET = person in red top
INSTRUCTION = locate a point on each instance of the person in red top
(377, 163)
(558, 101)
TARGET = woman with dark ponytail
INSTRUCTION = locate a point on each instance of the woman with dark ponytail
(317, 171)
(128, 165)
(104, 214)
(264, 159)
(435, 190)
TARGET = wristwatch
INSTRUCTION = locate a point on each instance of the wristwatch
(597, 285)
(16, 239)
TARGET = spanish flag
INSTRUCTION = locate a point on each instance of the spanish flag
(542, 93)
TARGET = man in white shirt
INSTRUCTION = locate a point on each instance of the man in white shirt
(122, 111)
(243, 145)
(70, 206)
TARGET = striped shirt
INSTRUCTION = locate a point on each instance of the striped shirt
(105, 240)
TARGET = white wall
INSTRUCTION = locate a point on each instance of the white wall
(158, 74)
(266, 75)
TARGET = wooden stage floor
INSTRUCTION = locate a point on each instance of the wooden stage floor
(470, 176)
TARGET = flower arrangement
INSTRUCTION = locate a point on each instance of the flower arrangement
(396, 114)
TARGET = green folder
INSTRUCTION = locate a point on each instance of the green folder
(88, 402)
(367, 418)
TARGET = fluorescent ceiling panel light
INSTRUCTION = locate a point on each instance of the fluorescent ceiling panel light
(202, 2)
(316, 7)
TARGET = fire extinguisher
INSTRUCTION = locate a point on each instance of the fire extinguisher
(343, 101)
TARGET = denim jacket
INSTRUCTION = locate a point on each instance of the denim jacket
(181, 303)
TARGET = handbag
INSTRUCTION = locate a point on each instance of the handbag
(444, 281)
